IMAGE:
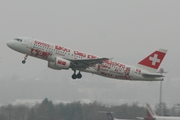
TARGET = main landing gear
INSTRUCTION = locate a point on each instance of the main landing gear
(79, 75)
(25, 57)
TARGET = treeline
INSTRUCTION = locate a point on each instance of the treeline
(70, 111)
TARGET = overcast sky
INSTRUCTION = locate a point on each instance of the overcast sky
(123, 29)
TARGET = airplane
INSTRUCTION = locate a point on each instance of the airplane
(63, 58)
(110, 115)
(151, 115)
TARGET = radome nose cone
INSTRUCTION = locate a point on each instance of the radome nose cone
(8, 43)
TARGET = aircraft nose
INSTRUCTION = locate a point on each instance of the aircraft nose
(9, 43)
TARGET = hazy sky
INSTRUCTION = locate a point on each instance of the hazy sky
(123, 29)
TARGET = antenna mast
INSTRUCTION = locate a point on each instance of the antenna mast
(161, 70)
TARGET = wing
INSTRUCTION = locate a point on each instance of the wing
(85, 63)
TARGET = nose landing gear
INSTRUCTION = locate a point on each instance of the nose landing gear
(79, 75)
(25, 57)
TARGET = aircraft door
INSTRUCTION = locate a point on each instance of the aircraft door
(29, 43)
(71, 54)
(132, 70)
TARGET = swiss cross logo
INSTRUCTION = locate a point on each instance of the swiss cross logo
(154, 59)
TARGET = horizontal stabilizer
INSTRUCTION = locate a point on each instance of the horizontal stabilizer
(151, 75)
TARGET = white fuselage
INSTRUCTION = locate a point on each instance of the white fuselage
(49, 52)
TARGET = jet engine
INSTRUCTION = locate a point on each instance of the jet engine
(59, 63)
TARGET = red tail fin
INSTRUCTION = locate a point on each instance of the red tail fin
(153, 61)
(150, 113)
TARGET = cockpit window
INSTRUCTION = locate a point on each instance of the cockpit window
(17, 39)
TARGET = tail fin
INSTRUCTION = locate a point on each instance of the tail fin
(109, 114)
(150, 113)
(152, 62)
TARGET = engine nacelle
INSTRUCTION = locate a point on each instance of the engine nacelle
(59, 64)
(51, 65)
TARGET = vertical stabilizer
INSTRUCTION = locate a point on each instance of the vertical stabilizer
(109, 114)
(150, 113)
(152, 62)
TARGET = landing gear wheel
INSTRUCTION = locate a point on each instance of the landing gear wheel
(74, 76)
(23, 61)
(25, 57)
(79, 75)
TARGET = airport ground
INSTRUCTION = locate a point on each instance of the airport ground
(47, 110)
